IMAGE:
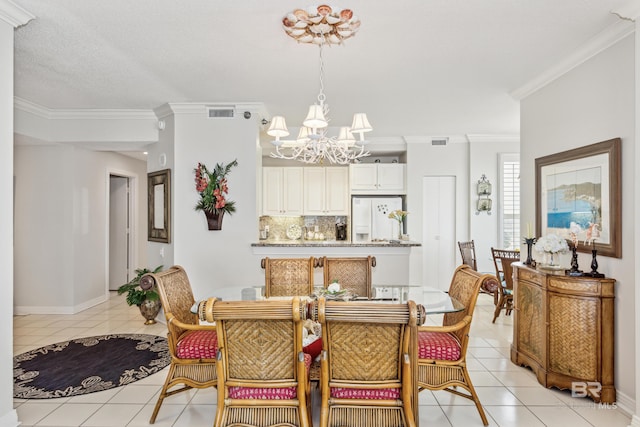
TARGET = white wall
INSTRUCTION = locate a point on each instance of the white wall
(593, 102)
(8, 416)
(61, 225)
(224, 258)
(484, 159)
(423, 159)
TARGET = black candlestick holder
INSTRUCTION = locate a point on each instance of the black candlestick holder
(529, 241)
(594, 265)
(574, 263)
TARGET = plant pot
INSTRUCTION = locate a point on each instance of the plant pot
(149, 310)
(214, 220)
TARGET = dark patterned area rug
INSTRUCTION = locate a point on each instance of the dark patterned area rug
(87, 365)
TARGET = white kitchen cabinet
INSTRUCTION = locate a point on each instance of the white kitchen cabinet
(377, 178)
(282, 190)
(326, 191)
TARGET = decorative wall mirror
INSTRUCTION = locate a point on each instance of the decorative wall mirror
(159, 198)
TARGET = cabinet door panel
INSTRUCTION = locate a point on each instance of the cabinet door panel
(531, 322)
(573, 332)
(272, 191)
(364, 176)
(314, 191)
(336, 191)
(293, 190)
(391, 177)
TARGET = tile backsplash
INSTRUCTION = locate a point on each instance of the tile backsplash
(278, 226)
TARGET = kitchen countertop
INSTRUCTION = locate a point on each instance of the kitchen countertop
(334, 243)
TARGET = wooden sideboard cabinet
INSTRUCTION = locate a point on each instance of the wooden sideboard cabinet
(563, 330)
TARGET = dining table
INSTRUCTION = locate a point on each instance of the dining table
(434, 300)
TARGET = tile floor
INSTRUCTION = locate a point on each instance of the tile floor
(510, 394)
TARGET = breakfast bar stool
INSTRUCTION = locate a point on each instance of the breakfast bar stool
(288, 276)
(353, 274)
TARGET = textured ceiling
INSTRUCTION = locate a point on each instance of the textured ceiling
(417, 67)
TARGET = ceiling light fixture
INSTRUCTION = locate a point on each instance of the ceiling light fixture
(320, 25)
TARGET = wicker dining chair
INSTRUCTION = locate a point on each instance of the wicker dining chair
(353, 274)
(468, 254)
(263, 375)
(288, 276)
(442, 349)
(502, 260)
(368, 363)
(193, 347)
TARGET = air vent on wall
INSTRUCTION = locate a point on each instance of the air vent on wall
(225, 112)
(439, 141)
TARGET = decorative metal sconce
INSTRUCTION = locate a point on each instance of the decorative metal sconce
(484, 191)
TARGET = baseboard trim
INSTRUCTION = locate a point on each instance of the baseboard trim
(626, 404)
(21, 310)
(10, 419)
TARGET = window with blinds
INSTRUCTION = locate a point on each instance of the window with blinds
(510, 201)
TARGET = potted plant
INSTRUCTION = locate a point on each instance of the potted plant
(213, 188)
(146, 298)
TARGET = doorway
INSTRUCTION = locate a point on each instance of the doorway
(120, 239)
(439, 229)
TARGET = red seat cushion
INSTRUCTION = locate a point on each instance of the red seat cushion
(438, 346)
(313, 349)
(198, 345)
(267, 393)
(358, 393)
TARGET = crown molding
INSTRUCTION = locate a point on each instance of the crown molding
(84, 114)
(14, 14)
(606, 38)
(478, 138)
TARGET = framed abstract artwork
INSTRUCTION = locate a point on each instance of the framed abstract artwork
(580, 190)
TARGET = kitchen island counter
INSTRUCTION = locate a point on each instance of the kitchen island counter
(392, 259)
(334, 243)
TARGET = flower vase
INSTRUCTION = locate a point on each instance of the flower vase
(550, 259)
(214, 220)
(149, 310)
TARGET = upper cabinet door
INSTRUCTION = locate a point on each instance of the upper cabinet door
(282, 191)
(337, 191)
(314, 191)
(377, 178)
(363, 176)
(391, 177)
(326, 191)
(293, 190)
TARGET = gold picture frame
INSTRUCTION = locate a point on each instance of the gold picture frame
(582, 185)
(159, 206)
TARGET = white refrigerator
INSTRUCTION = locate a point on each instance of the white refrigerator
(370, 218)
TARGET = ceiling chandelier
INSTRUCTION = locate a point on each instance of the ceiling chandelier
(320, 25)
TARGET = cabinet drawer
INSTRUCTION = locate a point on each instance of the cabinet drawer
(574, 286)
(529, 275)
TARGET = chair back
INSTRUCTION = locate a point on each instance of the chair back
(176, 296)
(369, 346)
(353, 274)
(260, 355)
(464, 287)
(468, 253)
(288, 276)
(502, 260)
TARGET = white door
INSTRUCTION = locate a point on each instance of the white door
(118, 231)
(439, 230)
